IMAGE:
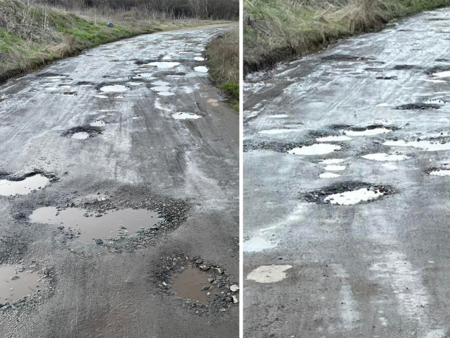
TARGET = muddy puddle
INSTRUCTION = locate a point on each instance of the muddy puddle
(88, 226)
(15, 283)
(162, 65)
(315, 149)
(193, 285)
(12, 187)
(349, 193)
(418, 106)
(80, 136)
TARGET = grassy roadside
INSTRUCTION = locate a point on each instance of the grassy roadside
(223, 61)
(31, 37)
(276, 30)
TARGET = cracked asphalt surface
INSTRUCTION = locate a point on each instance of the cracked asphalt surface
(140, 153)
(378, 268)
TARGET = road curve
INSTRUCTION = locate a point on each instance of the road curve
(158, 132)
(346, 192)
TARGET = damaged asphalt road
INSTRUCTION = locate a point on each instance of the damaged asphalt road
(346, 171)
(135, 124)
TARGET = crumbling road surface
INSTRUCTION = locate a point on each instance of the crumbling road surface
(347, 188)
(127, 127)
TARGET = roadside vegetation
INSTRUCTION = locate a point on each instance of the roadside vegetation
(276, 30)
(223, 62)
(34, 33)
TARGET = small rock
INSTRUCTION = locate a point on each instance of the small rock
(98, 241)
(110, 25)
(204, 267)
(205, 288)
(14, 277)
(234, 288)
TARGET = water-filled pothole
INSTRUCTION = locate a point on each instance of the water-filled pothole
(88, 226)
(162, 65)
(349, 193)
(193, 285)
(371, 130)
(201, 69)
(384, 157)
(199, 285)
(315, 149)
(186, 116)
(438, 171)
(11, 186)
(16, 283)
(118, 88)
(82, 132)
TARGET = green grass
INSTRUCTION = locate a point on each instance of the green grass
(279, 29)
(223, 62)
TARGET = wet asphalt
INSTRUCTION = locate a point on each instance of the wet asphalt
(140, 153)
(378, 268)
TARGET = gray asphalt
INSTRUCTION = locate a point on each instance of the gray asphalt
(142, 154)
(375, 269)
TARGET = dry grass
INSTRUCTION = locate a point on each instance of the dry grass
(223, 61)
(275, 30)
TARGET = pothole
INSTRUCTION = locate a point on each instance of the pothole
(418, 106)
(438, 171)
(160, 89)
(99, 226)
(201, 286)
(83, 132)
(349, 193)
(193, 285)
(16, 283)
(114, 88)
(186, 116)
(315, 149)
(11, 186)
(199, 58)
(166, 94)
(371, 130)
(162, 65)
(201, 69)
(160, 83)
(384, 157)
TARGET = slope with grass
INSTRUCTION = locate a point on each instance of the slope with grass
(223, 61)
(31, 36)
(276, 30)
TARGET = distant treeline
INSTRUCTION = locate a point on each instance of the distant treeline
(203, 9)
